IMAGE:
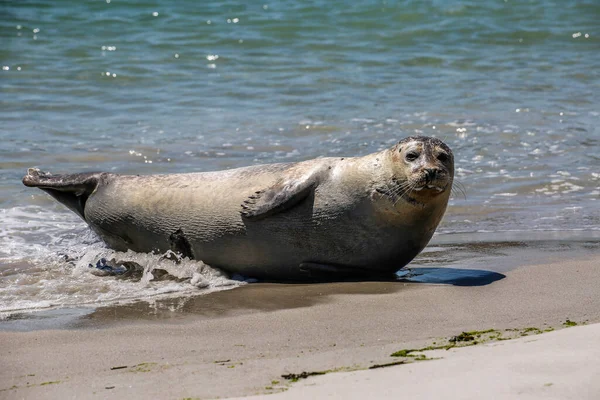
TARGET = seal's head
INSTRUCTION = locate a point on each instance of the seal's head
(423, 168)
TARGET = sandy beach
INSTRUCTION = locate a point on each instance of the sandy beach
(240, 342)
(507, 290)
(557, 365)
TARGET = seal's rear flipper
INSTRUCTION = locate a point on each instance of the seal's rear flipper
(72, 190)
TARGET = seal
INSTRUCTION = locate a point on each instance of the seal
(326, 218)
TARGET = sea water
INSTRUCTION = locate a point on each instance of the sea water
(157, 87)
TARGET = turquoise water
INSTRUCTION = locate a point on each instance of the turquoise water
(150, 87)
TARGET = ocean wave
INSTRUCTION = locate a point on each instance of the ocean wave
(51, 260)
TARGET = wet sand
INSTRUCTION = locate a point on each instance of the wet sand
(240, 342)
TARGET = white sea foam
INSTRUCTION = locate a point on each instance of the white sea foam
(51, 259)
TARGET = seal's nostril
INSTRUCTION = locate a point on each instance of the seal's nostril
(431, 173)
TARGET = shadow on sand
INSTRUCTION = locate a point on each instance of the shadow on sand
(273, 296)
(450, 276)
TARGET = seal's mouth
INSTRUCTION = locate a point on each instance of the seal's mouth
(417, 192)
(430, 181)
(436, 188)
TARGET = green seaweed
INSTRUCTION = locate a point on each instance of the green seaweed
(303, 375)
(30, 385)
(403, 353)
(469, 336)
(466, 338)
(49, 383)
(479, 333)
(530, 330)
(463, 337)
(143, 367)
(375, 366)
(407, 352)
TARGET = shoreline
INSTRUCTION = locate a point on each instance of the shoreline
(236, 343)
(466, 262)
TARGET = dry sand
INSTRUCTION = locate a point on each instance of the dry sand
(557, 365)
(240, 342)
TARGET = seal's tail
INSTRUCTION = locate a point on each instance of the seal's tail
(72, 190)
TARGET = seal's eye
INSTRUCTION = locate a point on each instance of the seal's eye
(412, 156)
(443, 157)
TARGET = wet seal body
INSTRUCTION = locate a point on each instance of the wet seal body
(327, 217)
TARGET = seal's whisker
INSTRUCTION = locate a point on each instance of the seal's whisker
(405, 190)
(398, 189)
(391, 191)
(395, 192)
(388, 190)
(458, 189)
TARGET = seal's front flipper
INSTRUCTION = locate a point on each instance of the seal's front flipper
(283, 195)
(72, 190)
